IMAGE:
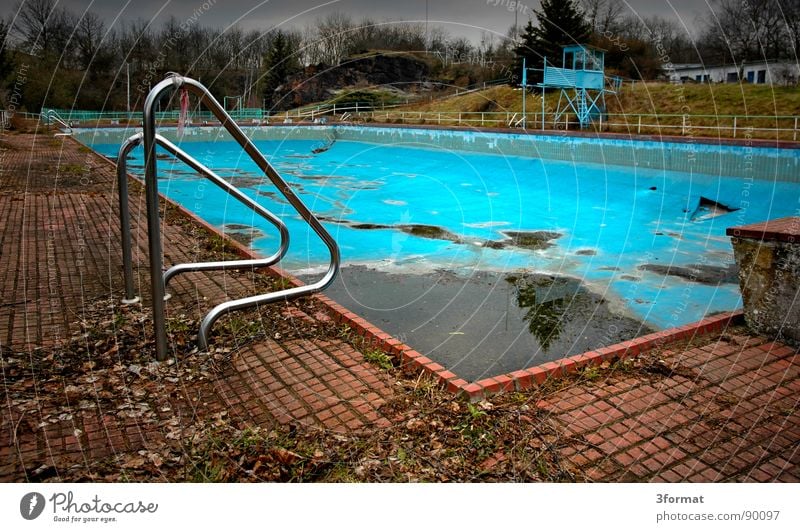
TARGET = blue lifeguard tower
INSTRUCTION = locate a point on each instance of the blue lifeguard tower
(582, 81)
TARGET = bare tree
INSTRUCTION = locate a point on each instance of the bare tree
(5, 36)
(667, 36)
(6, 64)
(89, 35)
(604, 16)
(437, 39)
(790, 12)
(365, 35)
(333, 35)
(43, 26)
(743, 31)
(769, 26)
(138, 45)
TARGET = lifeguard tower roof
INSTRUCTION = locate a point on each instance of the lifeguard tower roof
(584, 46)
(583, 57)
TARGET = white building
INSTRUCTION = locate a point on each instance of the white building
(760, 72)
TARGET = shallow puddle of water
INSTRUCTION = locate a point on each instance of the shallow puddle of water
(486, 323)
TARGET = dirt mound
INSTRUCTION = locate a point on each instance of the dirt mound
(319, 82)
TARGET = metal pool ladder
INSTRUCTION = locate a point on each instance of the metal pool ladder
(158, 283)
(52, 115)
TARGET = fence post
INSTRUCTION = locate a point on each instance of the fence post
(795, 128)
(734, 126)
(601, 122)
(481, 118)
(334, 109)
(566, 122)
(356, 107)
(440, 119)
(459, 120)
(639, 128)
(683, 125)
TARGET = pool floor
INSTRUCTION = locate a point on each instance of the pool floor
(487, 323)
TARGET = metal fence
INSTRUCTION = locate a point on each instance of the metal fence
(81, 118)
(779, 127)
(725, 126)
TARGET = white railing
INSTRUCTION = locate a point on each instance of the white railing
(728, 126)
(781, 127)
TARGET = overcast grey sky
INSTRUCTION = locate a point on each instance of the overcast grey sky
(469, 18)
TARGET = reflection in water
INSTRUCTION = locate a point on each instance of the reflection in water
(547, 300)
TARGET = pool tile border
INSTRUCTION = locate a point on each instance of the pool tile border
(411, 361)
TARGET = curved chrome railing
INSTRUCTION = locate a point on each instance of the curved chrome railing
(150, 139)
(54, 116)
(122, 184)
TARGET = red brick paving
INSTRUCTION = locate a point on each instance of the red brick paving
(780, 230)
(729, 413)
(59, 249)
(732, 415)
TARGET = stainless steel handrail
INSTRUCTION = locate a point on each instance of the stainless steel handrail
(175, 82)
(245, 200)
(52, 115)
(122, 184)
(125, 217)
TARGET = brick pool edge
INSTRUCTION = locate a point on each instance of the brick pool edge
(409, 360)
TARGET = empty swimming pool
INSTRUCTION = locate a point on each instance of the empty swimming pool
(491, 252)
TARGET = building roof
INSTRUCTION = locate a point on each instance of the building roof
(695, 66)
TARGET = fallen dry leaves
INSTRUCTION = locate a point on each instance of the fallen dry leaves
(134, 419)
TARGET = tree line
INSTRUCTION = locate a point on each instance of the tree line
(76, 61)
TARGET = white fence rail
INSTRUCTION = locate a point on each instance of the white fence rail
(726, 126)
(729, 126)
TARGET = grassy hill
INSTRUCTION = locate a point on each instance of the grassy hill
(705, 99)
(647, 108)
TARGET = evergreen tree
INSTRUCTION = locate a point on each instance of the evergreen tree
(280, 62)
(526, 48)
(559, 22)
